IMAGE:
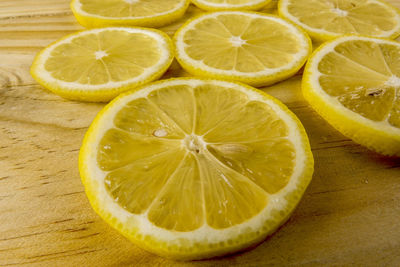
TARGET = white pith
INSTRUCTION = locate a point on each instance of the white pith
(194, 143)
(393, 81)
(100, 54)
(78, 7)
(284, 9)
(204, 234)
(340, 12)
(237, 41)
(165, 55)
(333, 102)
(302, 41)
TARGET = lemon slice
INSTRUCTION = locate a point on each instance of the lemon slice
(354, 83)
(97, 65)
(249, 47)
(192, 168)
(327, 19)
(214, 5)
(148, 13)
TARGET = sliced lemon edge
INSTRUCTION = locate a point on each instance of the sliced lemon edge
(205, 5)
(199, 242)
(94, 21)
(321, 35)
(258, 79)
(377, 136)
(102, 92)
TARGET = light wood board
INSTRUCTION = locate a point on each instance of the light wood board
(349, 216)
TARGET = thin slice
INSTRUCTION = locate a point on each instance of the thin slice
(148, 13)
(214, 5)
(254, 48)
(97, 65)
(160, 165)
(327, 19)
(354, 83)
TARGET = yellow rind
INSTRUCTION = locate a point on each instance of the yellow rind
(257, 81)
(154, 22)
(196, 251)
(323, 37)
(101, 95)
(206, 7)
(373, 138)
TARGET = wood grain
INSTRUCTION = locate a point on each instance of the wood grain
(350, 214)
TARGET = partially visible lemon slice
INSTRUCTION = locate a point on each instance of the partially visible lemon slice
(97, 65)
(149, 13)
(214, 5)
(327, 19)
(193, 168)
(250, 47)
(354, 83)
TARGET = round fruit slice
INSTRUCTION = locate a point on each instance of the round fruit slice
(249, 47)
(214, 5)
(354, 83)
(327, 19)
(192, 168)
(97, 65)
(148, 13)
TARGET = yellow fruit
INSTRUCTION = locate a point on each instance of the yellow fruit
(195, 168)
(214, 5)
(250, 47)
(99, 64)
(148, 13)
(354, 83)
(327, 19)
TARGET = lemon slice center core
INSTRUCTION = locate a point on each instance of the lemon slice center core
(100, 54)
(194, 143)
(237, 41)
(340, 12)
(393, 81)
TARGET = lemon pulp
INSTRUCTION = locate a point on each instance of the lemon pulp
(364, 76)
(251, 47)
(103, 57)
(182, 157)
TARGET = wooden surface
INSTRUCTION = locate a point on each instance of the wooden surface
(349, 216)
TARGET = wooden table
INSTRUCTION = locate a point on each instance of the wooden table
(350, 214)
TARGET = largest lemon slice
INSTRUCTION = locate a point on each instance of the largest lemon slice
(327, 19)
(190, 168)
(250, 47)
(354, 83)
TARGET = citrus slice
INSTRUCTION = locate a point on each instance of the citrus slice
(354, 83)
(148, 13)
(327, 19)
(97, 65)
(214, 5)
(192, 168)
(250, 47)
